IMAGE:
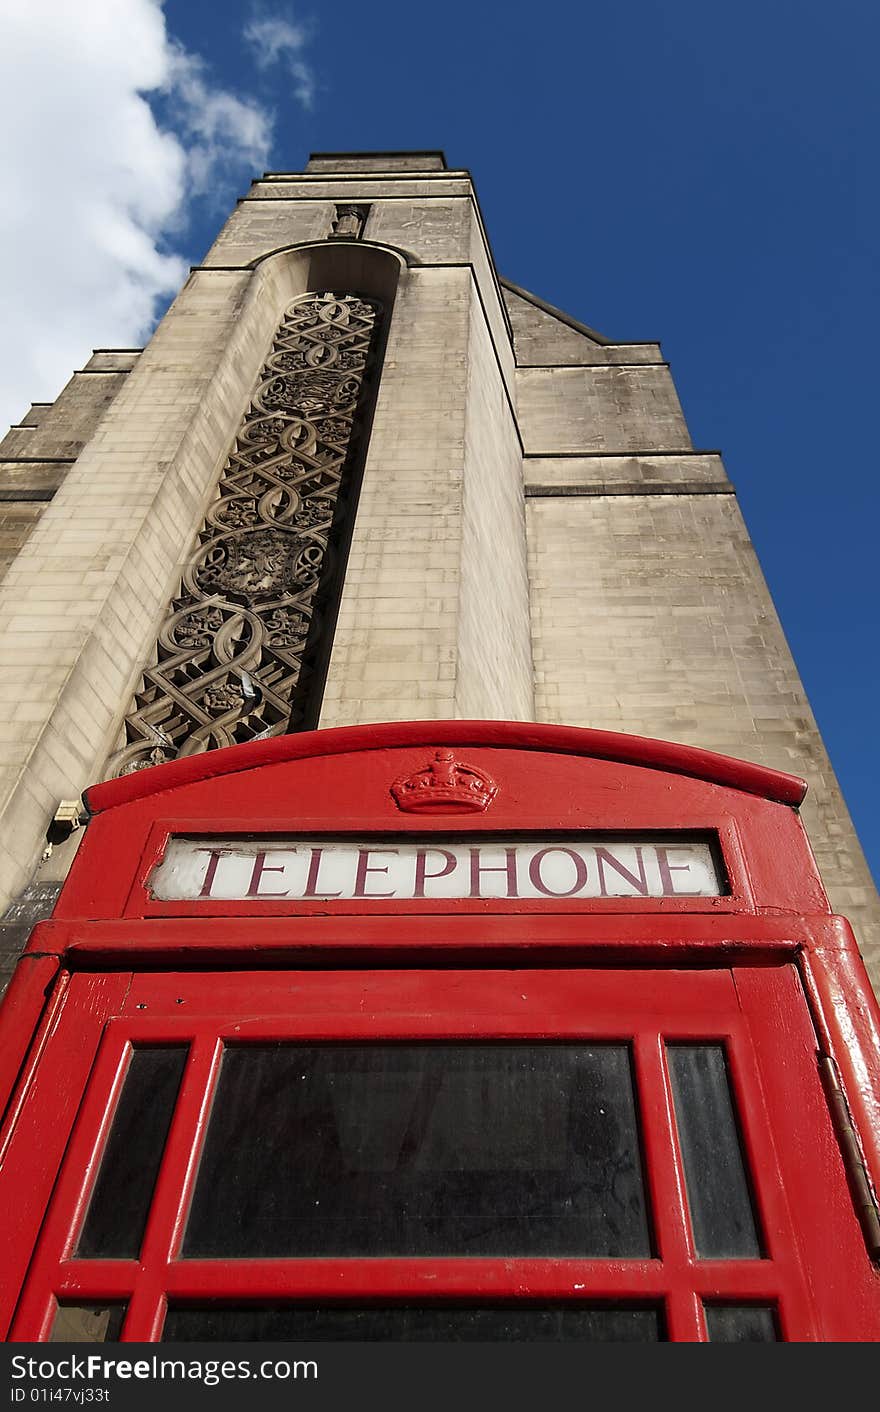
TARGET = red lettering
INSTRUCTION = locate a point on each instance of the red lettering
(312, 889)
(215, 854)
(449, 863)
(261, 867)
(364, 867)
(478, 868)
(580, 872)
(604, 858)
(666, 871)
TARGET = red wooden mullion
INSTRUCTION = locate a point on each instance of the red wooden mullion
(666, 1184)
(168, 1208)
(732, 1281)
(89, 1281)
(396, 1277)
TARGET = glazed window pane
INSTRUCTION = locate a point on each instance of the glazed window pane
(117, 1214)
(741, 1323)
(421, 1149)
(718, 1191)
(549, 1323)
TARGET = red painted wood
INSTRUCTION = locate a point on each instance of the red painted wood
(650, 939)
(665, 1182)
(765, 850)
(845, 1284)
(646, 967)
(797, 1181)
(23, 1005)
(848, 1019)
(608, 745)
(165, 1226)
(42, 1124)
(746, 1281)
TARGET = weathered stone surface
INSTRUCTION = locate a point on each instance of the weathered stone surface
(543, 337)
(611, 409)
(651, 615)
(536, 537)
(376, 162)
(63, 428)
(258, 226)
(638, 473)
(41, 449)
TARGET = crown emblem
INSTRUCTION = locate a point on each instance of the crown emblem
(444, 786)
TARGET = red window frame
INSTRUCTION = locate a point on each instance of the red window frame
(750, 1009)
(800, 985)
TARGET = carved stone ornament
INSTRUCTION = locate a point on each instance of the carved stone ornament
(250, 604)
(444, 786)
(349, 222)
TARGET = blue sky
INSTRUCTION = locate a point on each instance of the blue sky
(704, 174)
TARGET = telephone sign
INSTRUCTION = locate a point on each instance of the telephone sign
(443, 1030)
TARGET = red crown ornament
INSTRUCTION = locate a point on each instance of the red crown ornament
(444, 786)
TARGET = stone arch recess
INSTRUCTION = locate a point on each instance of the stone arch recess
(243, 650)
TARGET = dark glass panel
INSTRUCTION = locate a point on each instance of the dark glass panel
(421, 1149)
(87, 1323)
(548, 1323)
(717, 1186)
(117, 1215)
(741, 1323)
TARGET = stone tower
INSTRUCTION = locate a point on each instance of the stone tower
(355, 476)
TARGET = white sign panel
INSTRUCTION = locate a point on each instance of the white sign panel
(380, 870)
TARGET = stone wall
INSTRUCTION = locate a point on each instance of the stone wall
(395, 649)
(650, 614)
(144, 440)
(536, 536)
(36, 455)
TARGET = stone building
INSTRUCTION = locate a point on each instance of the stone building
(356, 476)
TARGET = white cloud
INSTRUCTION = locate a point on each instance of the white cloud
(92, 184)
(275, 39)
(215, 124)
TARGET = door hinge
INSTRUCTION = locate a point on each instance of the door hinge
(853, 1161)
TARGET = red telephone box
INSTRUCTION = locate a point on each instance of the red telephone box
(443, 1030)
